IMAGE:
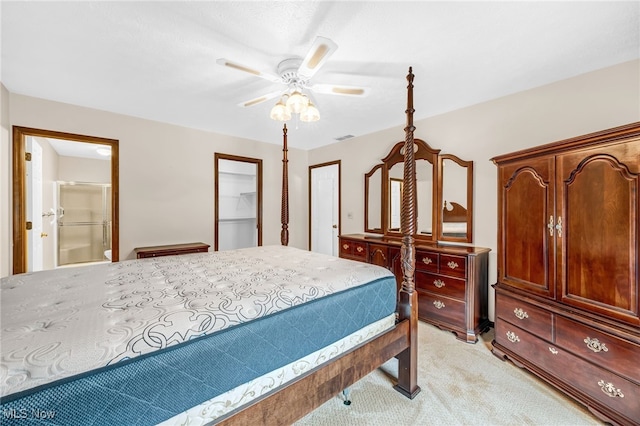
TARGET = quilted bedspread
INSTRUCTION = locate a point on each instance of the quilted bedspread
(60, 323)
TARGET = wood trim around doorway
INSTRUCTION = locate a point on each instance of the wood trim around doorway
(19, 211)
(314, 166)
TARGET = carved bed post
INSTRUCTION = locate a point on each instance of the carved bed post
(284, 210)
(408, 297)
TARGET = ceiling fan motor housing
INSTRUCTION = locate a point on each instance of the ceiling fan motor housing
(288, 72)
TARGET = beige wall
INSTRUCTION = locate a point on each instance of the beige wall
(166, 174)
(595, 101)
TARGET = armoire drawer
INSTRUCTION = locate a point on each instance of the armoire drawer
(453, 265)
(600, 348)
(441, 308)
(426, 261)
(600, 384)
(440, 284)
(526, 316)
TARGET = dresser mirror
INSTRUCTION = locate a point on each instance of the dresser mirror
(373, 200)
(456, 189)
(441, 180)
(395, 198)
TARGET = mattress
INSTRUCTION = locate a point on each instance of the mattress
(141, 341)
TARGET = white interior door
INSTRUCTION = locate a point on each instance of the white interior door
(34, 205)
(325, 208)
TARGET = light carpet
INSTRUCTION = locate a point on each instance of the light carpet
(462, 384)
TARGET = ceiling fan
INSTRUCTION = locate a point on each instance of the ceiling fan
(296, 73)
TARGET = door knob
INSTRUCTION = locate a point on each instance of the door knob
(43, 234)
(335, 226)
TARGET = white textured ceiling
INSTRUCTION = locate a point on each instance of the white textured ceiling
(157, 60)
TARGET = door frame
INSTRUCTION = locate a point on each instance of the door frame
(310, 189)
(258, 162)
(19, 189)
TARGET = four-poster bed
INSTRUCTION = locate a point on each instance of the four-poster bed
(164, 337)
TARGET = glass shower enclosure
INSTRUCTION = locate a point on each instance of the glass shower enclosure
(84, 222)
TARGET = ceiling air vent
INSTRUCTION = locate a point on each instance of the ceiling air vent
(341, 138)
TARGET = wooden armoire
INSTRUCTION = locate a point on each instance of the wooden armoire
(567, 297)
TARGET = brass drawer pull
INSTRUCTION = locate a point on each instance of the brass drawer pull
(360, 249)
(553, 350)
(518, 312)
(609, 389)
(595, 345)
(427, 260)
(439, 283)
(345, 246)
(513, 338)
(452, 265)
(438, 304)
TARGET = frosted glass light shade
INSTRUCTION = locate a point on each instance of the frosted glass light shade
(310, 113)
(297, 102)
(280, 112)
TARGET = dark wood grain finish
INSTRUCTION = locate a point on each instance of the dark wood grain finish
(379, 255)
(584, 381)
(466, 282)
(170, 250)
(528, 317)
(442, 309)
(427, 261)
(598, 347)
(569, 222)
(441, 284)
(284, 201)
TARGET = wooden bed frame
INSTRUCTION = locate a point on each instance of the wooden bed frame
(456, 214)
(311, 390)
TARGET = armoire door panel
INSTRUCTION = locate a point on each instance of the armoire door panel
(599, 243)
(528, 202)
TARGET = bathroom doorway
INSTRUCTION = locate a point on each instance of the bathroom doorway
(65, 200)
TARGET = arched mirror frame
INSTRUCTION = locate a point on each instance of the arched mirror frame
(422, 152)
(368, 226)
(442, 234)
(20, 134)
(425, 152)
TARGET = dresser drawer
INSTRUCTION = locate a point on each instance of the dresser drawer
(525, 316)
(426, 261)
(602, 385)
(453, 265)
(379, 255)
(600, 348)
(441, 308)
(440, 284)
(353, 250)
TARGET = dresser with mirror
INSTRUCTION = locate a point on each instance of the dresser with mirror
(451, 275)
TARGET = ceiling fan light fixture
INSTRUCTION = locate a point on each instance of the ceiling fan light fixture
(280, 112)
(310, 113)
(297, 102)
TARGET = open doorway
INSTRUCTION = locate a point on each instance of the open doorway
(238, 202)
(65, 199)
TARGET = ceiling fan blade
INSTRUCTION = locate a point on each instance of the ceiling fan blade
(320, 51)
(267, 76)
(334, 89)
(260, 99)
